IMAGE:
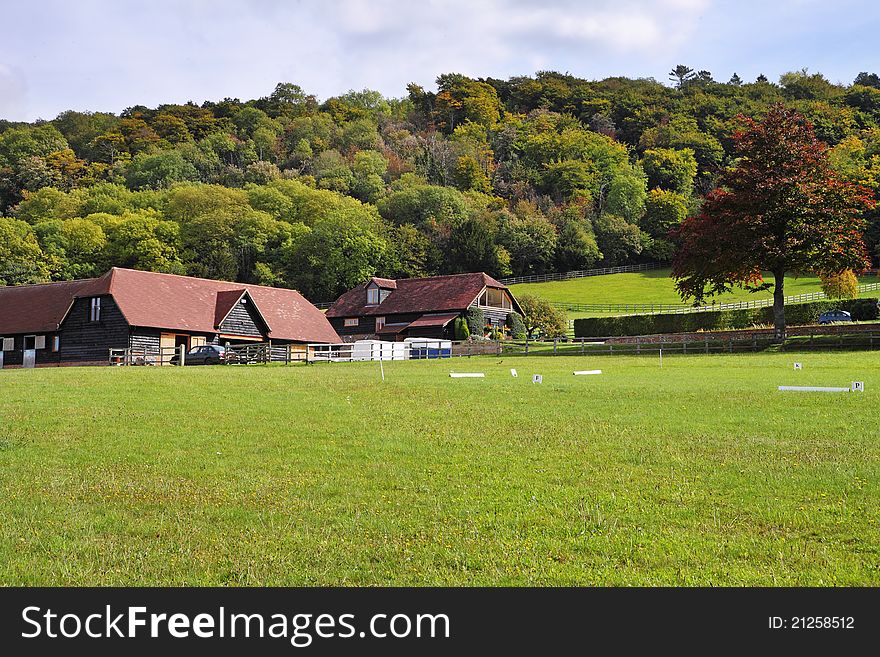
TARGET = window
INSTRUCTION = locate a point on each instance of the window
(40, 342)
(351, 321)
(56, 342)
(8, 344)
(30, 342)
(495, 298)
(372, 296)
(95, 310)
(380, 322)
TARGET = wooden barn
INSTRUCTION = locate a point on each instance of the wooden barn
(419, 307)
(78, 322)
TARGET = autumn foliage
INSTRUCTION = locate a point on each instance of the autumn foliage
(781, 209)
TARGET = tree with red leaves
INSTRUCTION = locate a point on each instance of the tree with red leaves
(781, 209)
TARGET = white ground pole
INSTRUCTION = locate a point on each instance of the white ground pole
(661, 358)
(381, 367)
(812, 389)
(583, 372)
(467, 375)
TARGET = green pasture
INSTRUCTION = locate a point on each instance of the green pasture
(699, 473)
(648, 287)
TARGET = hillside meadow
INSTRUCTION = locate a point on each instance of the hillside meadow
(648, 287)
(699, 473)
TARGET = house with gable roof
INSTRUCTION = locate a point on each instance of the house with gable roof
(391, 309)
(78, 322)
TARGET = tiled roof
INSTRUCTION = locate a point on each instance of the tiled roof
(38, 308)
(417, 295)
(433, 320)
(164, 301)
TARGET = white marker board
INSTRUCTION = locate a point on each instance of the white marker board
(467, 375)
(537, 378)
(586, 372)
(513, 373)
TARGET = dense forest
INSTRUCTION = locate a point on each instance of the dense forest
(518, 176)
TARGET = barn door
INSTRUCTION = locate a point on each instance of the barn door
(166, 348)
(29, 355)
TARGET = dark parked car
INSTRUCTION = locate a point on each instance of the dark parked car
(835, 316)
(210, 354)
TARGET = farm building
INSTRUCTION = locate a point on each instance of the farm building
(419, 307)
(78, 322)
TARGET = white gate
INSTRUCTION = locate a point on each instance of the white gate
(29, 359)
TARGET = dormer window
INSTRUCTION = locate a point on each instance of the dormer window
(95, 310)
(372, 296)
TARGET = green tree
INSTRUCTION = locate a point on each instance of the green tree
(541, 318)
(670, 169)
(22, 261)
(159, 171)
(618, 240)
(664, 211)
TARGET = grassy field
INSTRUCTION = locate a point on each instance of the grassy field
(699, 473)
(647, 287)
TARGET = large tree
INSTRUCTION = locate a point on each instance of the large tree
(781, 209)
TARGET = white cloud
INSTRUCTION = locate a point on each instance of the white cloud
(106, 54)
(12, 92)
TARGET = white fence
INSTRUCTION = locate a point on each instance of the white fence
(677, 309)
(582, 273)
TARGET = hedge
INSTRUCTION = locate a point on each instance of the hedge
(718, 320)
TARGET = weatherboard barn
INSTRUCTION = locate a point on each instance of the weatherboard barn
(419, 307)
(78, 322)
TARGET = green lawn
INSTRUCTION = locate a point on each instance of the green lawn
(648, 287)
(699, 473)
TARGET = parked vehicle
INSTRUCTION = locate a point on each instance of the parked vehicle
(833, 316)
(211, 354)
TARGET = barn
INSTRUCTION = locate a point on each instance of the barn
(78, 322)
(391, 309)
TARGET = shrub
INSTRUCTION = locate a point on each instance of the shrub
(840, 285)
(461, 330)
(718, 320)
(517, 327)
(476, 321)
(865, 310)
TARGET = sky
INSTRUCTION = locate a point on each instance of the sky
(106, 55)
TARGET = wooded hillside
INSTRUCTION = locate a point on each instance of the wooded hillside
(518, 176)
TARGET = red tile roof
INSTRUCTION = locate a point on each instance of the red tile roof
(386, 283)
(226, 300)
(417, 295)
(433, 320)
(164, 301)
(38, 308)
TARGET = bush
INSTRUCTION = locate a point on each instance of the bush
(718, 320)
(517, 327)
(865, 310)
(840, 285)
(476, 321)
(461, 330)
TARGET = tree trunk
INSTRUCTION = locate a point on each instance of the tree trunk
(779, 306)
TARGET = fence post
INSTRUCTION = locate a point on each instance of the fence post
(555, 340)
(707, 344)
(182, 355)
(638, 345)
